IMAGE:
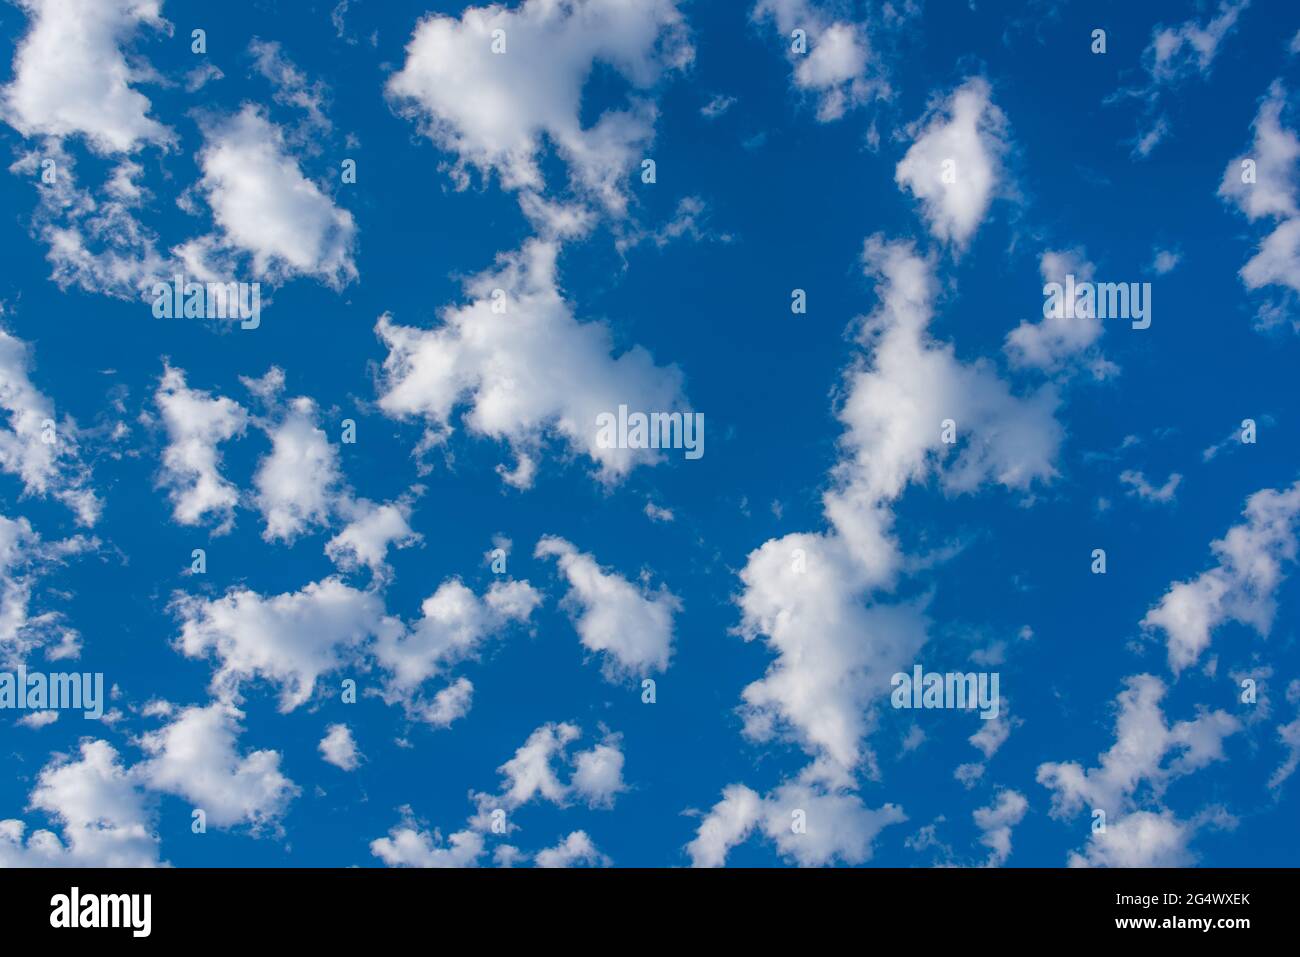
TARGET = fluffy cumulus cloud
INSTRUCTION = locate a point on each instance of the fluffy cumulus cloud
(289, 640)
(836, 62)
(1131, 778)
(523, 369)
(576, 850)
(36, 446)
(339, 748)
(264, 206)
(298, 482)
(99, 809)
(536, 772)
(196, 423)
(996, 823)
(72, 76)
(453, 626)
(954, 166)
(630, 626)
(1262, 184)
(499, 111)
(196, 756)
(808, 825)
(806, 592)
(1061, 342)
(1241, 587)
(370, 532)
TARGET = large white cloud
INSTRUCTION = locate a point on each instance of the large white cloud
(290, 640)
(837, 826)
(72, 76)
(954, 167)
(196, 757)
(806, 592)
(630, 626)
(525, 372)
(499, 111)
(264, 205)
(1240, 587)
(102, 814)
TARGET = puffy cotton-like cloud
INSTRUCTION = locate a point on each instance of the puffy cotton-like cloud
(1146, 751)
(838, 65)
(954, 166)
(408, 846)
(1240, 587)
(339, 748)
(100, 810)
(72, 76)
(371, 531)
(996, 822)
(497, 111)
(630, 626)
(290, 640)
(1140, 839)
(298, 482)
(576, 850)
(524, 368)
(835, 825)
(37, 448)
(806, 592)
(196, 423)
(196, 756)
(453, 625)
(264, 206)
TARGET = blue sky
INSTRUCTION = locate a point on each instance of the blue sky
(771, 740)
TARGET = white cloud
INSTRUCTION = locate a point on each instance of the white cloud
(1143, 489)
(954, 165)
(1174, 55)
(290, 640)
(1058, 342)
(453, 625)
(598, 774)
(263, 205)
(1270, 195)
(497, 111)
(99, 809)
(24, 559)
(407, 846)
(1241, 587)
(805, 592)
(196, 423)
(1141, 839)
(837, 826)
(72, 76)
(996, 821)
(1146, 750)
(196, 757)
(339, 748)
(35, 446)
(371, 530)
(298, 481)
(1165, 261)
(631, 626)
(576, 850)
(839, 66)
(525, 373)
